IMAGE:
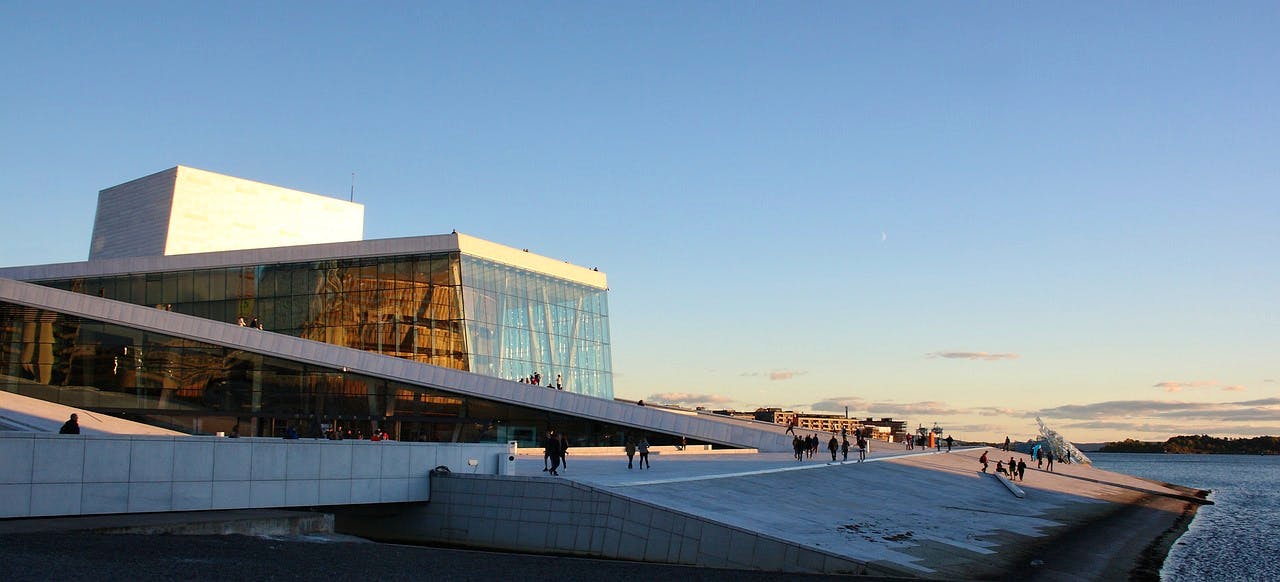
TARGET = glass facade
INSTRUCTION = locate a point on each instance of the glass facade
(444, 309)
(521, 323)
(198, 387)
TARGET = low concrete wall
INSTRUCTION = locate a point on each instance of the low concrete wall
(540, 515)
(50, 475)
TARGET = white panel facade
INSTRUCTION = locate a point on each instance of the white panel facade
(133, 218)
(213, 212)
(184, 210)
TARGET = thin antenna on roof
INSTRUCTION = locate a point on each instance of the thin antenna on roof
(353, 187)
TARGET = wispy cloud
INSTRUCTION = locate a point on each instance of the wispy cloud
(862, 406)
(688, 399)
(998, 411)
(1192, 385)
(1265, 409)
(976, 428)
(987, 356)
(838, 404)
(775, 375)
(1236, 388)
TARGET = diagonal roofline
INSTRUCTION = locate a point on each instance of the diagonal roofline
(392, 368)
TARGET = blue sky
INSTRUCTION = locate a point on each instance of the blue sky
(954, 213)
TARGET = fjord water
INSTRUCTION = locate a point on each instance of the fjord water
(1238, 537)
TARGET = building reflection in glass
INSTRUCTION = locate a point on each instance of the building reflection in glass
(197, 387)
(443, 309)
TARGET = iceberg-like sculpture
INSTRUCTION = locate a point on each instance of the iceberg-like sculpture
(1061, 448)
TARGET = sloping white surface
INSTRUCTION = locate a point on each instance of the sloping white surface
(32, 415)
(923, 511)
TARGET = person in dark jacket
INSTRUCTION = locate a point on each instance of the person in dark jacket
(546, 449)
(554, 451)
(643, 448)
(72, 426)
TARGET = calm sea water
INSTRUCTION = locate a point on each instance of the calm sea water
(1237, 538)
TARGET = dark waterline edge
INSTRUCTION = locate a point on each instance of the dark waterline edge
(1150, 563)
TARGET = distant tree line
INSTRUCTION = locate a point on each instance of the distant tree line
(1202, 444)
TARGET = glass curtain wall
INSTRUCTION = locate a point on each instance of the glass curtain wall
(520, 323)
(407, 306)
(203, 388)
(442, 309)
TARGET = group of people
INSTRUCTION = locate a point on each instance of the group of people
(253, 322)
(1042, 456)
(642, 446)
(555, 451)
(807, 446)
(332, 434)
(536, 379)
(1016, 469)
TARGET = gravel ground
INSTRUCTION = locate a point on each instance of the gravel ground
(95, 556)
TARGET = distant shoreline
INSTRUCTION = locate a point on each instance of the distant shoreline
(1197, 444)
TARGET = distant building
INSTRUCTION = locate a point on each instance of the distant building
(226, 249)
(888, 429)
(734, 414)
(833, 423)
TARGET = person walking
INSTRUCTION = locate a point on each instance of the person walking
(791, 427)
(1006, 444)
(844, 449)
(862, 448)
(948, 443)
(1039, 457)
(643, 447)
(630, 447)
(983, 460)
(798, 446)
(1049, 465)
(833, 445)
(71, 426)
(564, 450)
(1022, 469)
(546, 449)
(553, 450)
